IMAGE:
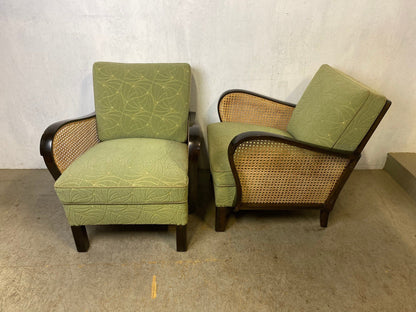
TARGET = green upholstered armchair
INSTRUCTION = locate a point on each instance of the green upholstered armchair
(128, 163)
(270, 154)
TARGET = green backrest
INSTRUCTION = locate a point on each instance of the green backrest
(335, 111)
(142, 100)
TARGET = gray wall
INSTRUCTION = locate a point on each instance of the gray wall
(272, 47)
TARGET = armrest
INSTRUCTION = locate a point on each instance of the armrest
(245, 106)
(194, 148)
(270, 169)
(194, 137)
(64, 141)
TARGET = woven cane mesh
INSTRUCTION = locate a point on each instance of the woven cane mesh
(274, 172)
(72, 140)
(248, 108)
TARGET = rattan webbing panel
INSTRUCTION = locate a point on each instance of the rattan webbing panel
(72, 140)
(248, 108)
(275, 172)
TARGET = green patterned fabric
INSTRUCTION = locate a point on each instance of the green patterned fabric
(361, 123)
(142, 100)
(176, 214)
(219, 137)
(335, 111)
(127, 173)
(225, 196)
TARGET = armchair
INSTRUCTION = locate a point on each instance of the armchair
(270, 154)
(129, 162)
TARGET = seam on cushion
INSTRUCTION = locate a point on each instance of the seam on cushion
(118, 187)
(225, 185)
(107, 204)
(355, 115)
(228, 185)
(364, 86)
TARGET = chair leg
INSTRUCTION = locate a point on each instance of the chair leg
(181, 238)
(220, 218)
(80, 238)
(193, 189)
(324, 214)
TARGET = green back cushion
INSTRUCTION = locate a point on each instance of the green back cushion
(335, 111)
(141, 100)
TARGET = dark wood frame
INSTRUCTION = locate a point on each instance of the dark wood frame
(46, 143)
(325, 208)
(194, 146)
(194, 149)
(250, 93)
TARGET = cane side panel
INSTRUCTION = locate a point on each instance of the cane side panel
(72, 140)
(274, 172)
(248, 108)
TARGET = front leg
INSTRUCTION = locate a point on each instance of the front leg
(181, 238)
(80, 237)
(221, 218)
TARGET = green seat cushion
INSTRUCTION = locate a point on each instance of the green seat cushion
(142, 100)
(219, 137)
(127, 214)
(335, 111)
(131, 171)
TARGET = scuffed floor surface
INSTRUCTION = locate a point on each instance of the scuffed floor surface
(364, 261)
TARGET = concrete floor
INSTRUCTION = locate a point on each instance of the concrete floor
(364, 261)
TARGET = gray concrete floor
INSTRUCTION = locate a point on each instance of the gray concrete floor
(364, 261)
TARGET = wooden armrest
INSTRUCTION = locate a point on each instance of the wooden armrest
(194, 136)
(64, 141)
(272, 169)
(249, 107)
(194, 148)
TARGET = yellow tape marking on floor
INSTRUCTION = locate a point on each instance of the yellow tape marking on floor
(154, 287)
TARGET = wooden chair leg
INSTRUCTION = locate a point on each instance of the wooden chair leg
(80, 238)
(181, 238)
(193, 187)
(324, 214)
(220, 218)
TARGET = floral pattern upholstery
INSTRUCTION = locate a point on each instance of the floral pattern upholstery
(141, 100)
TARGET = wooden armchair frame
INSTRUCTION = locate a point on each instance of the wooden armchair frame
(249, 149)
